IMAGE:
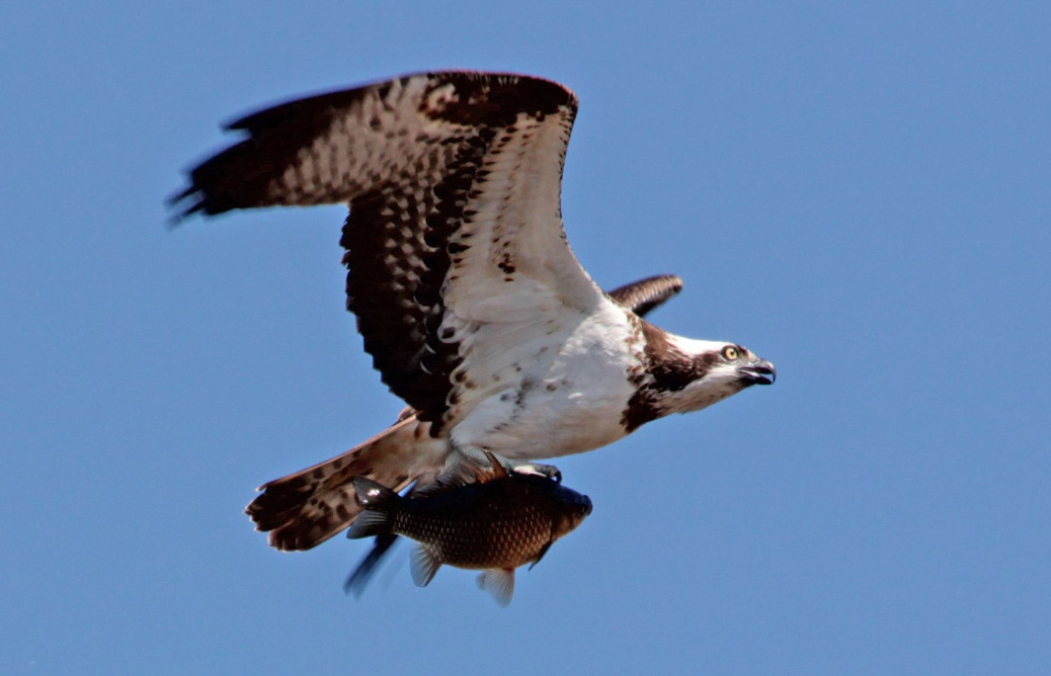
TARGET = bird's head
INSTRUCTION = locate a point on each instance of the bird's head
(700, 373)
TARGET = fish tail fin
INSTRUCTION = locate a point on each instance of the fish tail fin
(359, 578)
(379, 504)
(303, 509)
(500, 583)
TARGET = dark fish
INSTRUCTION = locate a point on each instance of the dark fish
(495, 525)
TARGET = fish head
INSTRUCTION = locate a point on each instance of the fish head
(574, 508)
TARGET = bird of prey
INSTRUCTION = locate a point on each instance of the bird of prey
(469, 300)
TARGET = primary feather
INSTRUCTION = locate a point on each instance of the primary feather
(467, 295)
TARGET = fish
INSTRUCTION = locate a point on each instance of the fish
(495, 524)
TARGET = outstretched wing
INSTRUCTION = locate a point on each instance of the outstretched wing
(645, 295)
(459, 271)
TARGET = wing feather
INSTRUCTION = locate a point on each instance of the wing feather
(458, 266)
(646, 295)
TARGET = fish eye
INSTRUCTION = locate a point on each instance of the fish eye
(731, 352)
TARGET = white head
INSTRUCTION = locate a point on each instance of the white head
(716, 370)
(684, 375)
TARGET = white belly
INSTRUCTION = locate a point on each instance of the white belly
(569, 405)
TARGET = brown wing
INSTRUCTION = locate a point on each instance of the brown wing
(453, 181)
(645, 295)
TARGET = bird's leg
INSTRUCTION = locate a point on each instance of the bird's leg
(549, 471)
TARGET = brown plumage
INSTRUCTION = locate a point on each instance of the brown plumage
(466, 293)
(646, 294)
(406, 155)
(303, 509)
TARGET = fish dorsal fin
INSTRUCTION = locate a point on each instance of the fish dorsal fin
(540, 554)
(499, 472)
(423, 564)
(500, 583)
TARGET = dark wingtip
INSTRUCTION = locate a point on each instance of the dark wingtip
(645, 295)
(184, 210)
(173, 199)
(176, 219)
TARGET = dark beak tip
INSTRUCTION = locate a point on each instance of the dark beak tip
(762, 373)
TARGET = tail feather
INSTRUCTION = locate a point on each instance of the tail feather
(302, 510)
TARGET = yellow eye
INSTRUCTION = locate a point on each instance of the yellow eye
(730, 352)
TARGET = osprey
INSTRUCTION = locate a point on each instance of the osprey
(470, 302)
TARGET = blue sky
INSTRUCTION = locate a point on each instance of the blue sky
(857, 191)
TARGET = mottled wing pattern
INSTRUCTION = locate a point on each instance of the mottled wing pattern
(455, 246)
(645, 295)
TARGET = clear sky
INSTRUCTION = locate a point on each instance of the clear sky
(860, 192)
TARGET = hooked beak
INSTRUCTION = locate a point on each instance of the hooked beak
(761, 372)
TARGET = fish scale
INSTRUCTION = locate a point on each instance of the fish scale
(495, 524)
(501, 542)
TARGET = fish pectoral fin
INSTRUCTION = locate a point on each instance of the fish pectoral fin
(540, 554)
(423, 564)
(500, 583)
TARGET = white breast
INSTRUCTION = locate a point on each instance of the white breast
(566, 403)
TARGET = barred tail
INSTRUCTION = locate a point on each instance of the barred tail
(302, 510)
